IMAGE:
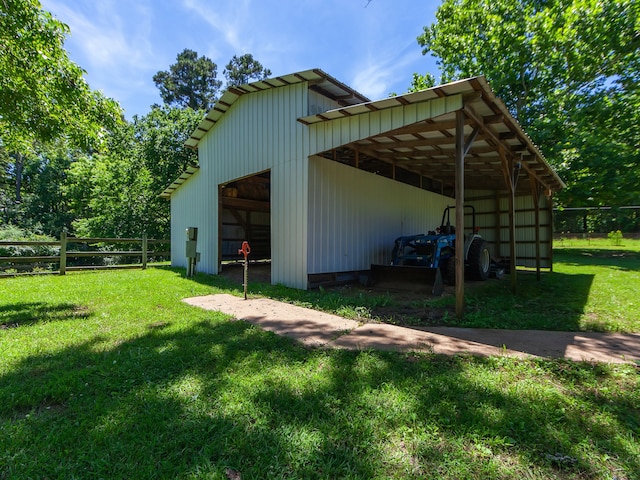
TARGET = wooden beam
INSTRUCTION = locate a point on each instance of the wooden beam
(495, 139)
(219, 233)
(423, 127)
(550, 207)
(536, 201)
(498, 226)
(245, 204)
(459, 189)
(507, 170)
(470, 141)
(241, 221)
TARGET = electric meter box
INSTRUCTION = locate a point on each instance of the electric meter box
(192, 234)
(191, 248)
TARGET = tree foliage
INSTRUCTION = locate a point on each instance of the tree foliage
(68, 160)
(244, 69)
(191, 82)
(116, 193)
(43, 94)
(569, 71)
(422, 82)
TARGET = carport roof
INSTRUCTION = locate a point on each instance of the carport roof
(428, 146)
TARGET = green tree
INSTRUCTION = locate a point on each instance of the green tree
(44, 206)
(43, 94)
(116, 193)
(190, 82)
(43, 98)
(242, 70)
(422, 82)
(569, 72)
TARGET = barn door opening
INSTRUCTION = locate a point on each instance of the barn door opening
(244, 213)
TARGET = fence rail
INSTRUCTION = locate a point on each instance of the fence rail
(65, 253)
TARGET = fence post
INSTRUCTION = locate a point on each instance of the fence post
(144, 251)
(63, 253)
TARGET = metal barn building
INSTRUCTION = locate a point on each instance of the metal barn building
(321, 180)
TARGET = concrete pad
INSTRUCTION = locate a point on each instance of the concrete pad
(382, 336)
(578, 346)
(310, 327)
(314, 328)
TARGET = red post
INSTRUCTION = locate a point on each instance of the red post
(245, 250)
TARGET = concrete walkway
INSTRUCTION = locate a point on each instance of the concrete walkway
(318, 329)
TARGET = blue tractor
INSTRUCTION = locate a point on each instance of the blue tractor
(421, 260)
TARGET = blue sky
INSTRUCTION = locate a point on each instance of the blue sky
(370, 46)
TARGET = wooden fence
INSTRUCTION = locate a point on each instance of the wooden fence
(64, 256)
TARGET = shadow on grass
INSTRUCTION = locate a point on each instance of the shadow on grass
(221, 395)
(216, 281)
(556, 302)
(624, 260)
(28, 313)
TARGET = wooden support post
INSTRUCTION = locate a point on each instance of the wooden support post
(536, 201)
(459, 192)
(512, 234)
(512, 243)
(63, 253)
(550, 207)
(498, 227)
(219, 232)
(144, 250)
(507, 170)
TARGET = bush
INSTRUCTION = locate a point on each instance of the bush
(16, 234)
(615, 237)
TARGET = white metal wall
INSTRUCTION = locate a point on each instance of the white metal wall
(319, 103)
(324, 136)
(355, 216)
(191, 205)
(260, 132)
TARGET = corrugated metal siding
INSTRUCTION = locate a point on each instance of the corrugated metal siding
(190, 208)
(355, 216)
(260, 132)
(493, 219)
(289, 203)
(324, 136)
(319, 103)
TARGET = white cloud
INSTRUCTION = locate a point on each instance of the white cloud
(111, 40)
(101, 34)
(376, 75)
(232, 21)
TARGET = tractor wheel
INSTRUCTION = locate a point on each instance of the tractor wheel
(478, 260)
(449, 271)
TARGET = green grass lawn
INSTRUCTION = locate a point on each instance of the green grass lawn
(109, 375)
(594, 286)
